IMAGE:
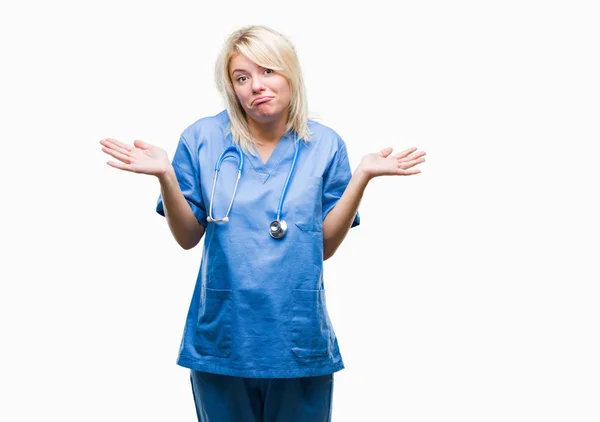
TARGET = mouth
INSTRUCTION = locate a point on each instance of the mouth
(261, 100)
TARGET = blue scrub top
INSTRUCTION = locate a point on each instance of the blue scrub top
(258, 308)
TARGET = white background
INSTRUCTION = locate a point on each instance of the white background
(469, 292)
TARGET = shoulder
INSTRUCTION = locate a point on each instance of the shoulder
(206, 128)
(325, 138)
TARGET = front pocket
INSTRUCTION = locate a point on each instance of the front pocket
(310, 328)
(213, 330)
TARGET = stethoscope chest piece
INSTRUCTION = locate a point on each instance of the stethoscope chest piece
(277, 229)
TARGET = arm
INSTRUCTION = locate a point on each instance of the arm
(144, 158)
(183, 224)
(340, 218)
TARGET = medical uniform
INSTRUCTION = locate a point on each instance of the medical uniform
(258, 309)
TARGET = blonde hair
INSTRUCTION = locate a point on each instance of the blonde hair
(272, 50)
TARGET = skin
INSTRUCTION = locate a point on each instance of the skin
(265, 97)
(267, 119)
(382, 163)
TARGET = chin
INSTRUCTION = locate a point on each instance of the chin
(266, 116)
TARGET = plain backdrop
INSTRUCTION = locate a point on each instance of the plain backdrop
(469, 292)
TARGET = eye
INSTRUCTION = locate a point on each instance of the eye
(241, 79)
(269, 71)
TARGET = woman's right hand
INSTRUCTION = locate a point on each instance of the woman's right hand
(140, 157)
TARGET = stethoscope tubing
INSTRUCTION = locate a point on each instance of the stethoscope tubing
(225, 219)
(287, 181)
(240, 154)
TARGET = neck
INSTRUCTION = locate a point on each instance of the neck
(269, 132)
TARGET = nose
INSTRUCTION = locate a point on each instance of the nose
(257, 84)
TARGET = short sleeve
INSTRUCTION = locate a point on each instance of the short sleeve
(335, 181)
(185, 164)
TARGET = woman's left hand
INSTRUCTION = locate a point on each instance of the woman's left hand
(382, 163)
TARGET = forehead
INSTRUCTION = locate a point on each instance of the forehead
(241, 62)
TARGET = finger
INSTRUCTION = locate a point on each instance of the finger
(117, 143)
(109, 143)
(405, 152)
(141, 144)
(411, 163)
(114, 147)
(403, 172)
(119, 156)
(120, 166)
(386, 151)
(413, 156)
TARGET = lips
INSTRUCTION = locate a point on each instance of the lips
(261, 100)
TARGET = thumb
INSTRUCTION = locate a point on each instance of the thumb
(141, 144)
(386, 151)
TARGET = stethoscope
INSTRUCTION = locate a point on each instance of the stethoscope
(278, 227)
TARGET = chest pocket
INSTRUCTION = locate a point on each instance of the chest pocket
(307, 203)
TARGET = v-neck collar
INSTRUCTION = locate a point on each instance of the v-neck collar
(281, 151)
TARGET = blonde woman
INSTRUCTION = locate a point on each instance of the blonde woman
(273, 195)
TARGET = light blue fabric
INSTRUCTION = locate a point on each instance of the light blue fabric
(258, 308)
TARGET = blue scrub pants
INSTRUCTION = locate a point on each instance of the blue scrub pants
(222, 398)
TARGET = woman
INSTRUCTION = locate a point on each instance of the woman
(257, 338)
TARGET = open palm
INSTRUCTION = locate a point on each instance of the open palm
(383, 163)
(141, 157)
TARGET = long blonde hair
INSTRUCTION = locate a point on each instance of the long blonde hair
(269, 49)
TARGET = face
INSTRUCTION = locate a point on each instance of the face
(263, 93)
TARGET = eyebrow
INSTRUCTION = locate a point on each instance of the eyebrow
(238, 70)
